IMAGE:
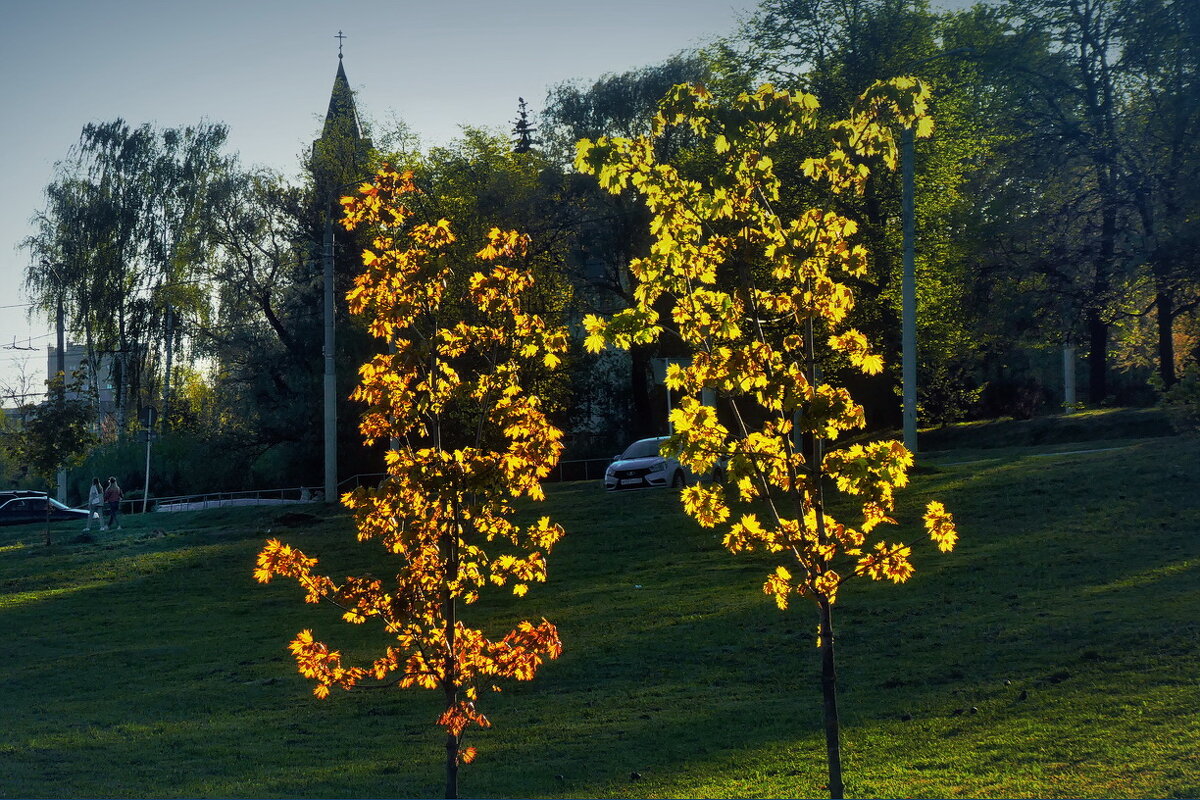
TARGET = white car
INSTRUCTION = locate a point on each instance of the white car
(641, 466)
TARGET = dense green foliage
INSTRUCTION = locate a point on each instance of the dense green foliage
(51, 436)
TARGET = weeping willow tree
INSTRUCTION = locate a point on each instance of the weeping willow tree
(119, 243)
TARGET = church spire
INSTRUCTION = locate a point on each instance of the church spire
(342, 117)
(342, 152)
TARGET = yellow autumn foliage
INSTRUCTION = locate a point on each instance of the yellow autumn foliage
(760, 301)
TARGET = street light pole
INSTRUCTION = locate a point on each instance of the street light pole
(60, 337)
(908, 290)
(330, 374)
(330, 379)
(908, 286)
(60, 328)
(61, 478)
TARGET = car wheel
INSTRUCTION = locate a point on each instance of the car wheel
(678, 481)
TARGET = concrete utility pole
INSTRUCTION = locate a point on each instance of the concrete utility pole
(908, 286)
(908, 290)
(149, 417)
(330, 379)
(61, 339)
(330, 374)
(60, 330)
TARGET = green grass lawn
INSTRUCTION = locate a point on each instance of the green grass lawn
(1053, 654)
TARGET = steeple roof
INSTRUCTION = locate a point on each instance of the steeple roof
(342, 154)
(342, 117)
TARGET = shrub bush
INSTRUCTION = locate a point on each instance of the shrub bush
(1182, 402)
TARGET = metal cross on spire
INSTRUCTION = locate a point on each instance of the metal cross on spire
(339, 37)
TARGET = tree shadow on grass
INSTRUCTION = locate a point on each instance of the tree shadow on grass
(174, 681)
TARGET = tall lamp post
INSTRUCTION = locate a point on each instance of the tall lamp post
(61, 365)
(330, 378)
(330, 381)
(908, 291)
(908, 284)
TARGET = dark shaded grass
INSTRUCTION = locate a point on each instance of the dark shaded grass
(146, 666)
(1081, 426)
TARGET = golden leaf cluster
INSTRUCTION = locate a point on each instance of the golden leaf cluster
(753, 296)
(449, 375)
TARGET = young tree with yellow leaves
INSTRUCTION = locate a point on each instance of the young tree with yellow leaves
(467, 438)
(761, 301)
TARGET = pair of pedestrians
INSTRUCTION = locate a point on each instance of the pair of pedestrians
(108, 499)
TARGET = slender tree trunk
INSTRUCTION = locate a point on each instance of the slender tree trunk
(1097, 331)
(450, 547)
(93, 360)
(1164, 298)
(833, 745)
(451, 756)
(814, 456)
(1165, 307)
(451, 690)
(639, 388)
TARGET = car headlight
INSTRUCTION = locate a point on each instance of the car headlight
(658, 466)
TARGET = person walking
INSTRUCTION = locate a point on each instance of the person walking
(112, 498)
(95, 499)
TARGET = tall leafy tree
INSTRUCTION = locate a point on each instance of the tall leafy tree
(1072, 82)
(120, 240)
(71, 238)
(615, 104)
(52, 435)
(761, 302)
(467, 436)
(185, 176)
(1162, 158)
(266, 333)
(255, 334)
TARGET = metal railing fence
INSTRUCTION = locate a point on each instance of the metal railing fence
(579, 469)
(583, 469)
(200, 501)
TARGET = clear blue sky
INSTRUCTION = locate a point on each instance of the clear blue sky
(265, 67)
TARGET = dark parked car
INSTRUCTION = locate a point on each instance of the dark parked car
(20, 508)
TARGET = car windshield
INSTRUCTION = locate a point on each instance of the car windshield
(643, 449)
(35, 501)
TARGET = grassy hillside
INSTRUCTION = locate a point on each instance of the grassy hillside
(1053, 654)
(1081, 426)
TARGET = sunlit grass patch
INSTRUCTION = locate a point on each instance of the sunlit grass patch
(12, 599)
